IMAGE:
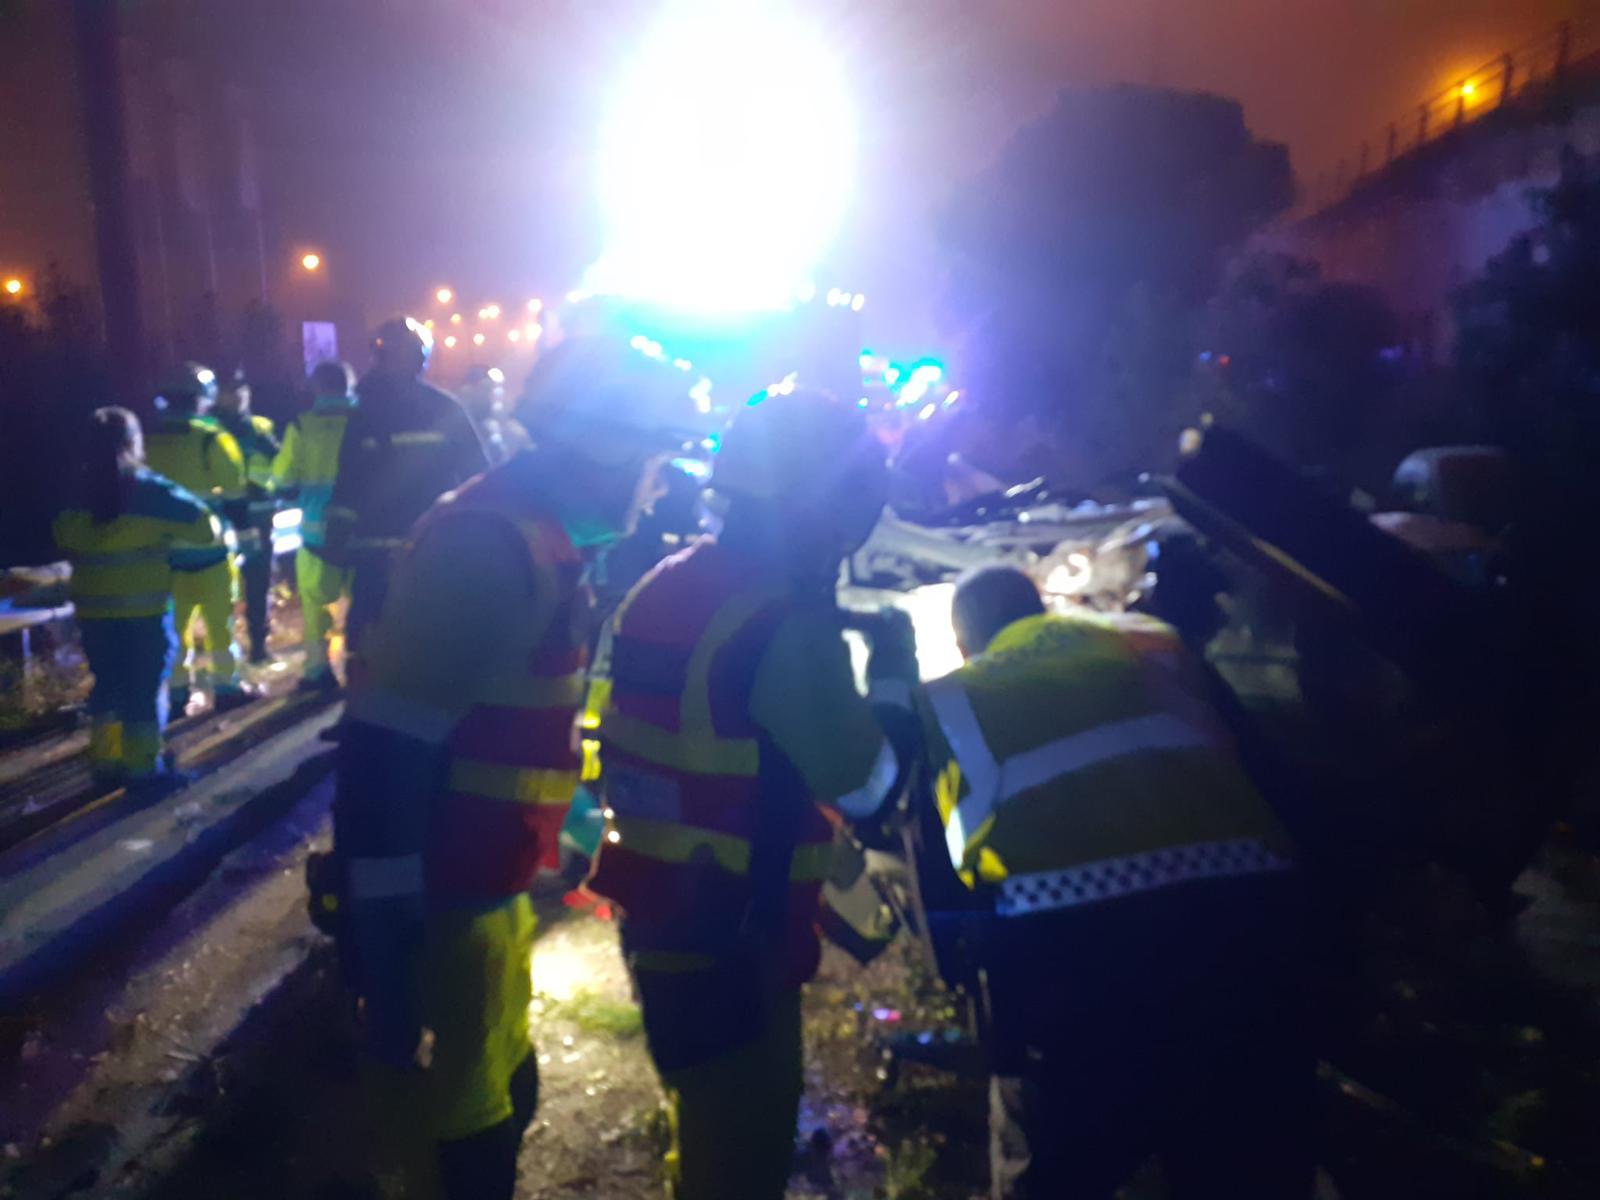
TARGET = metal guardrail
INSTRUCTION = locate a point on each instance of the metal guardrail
(1523, 73)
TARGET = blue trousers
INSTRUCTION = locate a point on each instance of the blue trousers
(131, 658)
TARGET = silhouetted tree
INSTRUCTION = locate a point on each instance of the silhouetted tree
(1083, 257)
(1298, 362)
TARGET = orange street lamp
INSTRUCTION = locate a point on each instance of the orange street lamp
(13, 286)
(311, 261)
(444, 295)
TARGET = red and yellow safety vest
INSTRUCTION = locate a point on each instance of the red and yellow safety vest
(713, 844)
(512, 764)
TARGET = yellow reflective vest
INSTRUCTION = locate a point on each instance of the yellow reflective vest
(200, 456)
(1079, 760)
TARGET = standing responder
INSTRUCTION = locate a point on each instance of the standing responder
(1138, 975)
(252, 519)
(186, 444)
(405, 445)
(457, 763)
(306, 466)
(732, 713)
(119, 538)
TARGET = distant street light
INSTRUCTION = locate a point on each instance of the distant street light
(444, 295)
(13, 286)
(478, 339)
(535, 306)
(1468, 89)
(311, 261)
(489, 312)
(450, 342)
(514, 335)
(455, 318)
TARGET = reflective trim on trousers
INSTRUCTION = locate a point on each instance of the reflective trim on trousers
(520, 785)
(1110, 878)
(383, 878)
(682, 845)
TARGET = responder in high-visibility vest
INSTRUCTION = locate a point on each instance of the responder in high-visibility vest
(252, 519)
(732, 717)
(186, 444)
(457, 763)
(119, 537)
(405, 445)
(1138, 971)
(306, 467)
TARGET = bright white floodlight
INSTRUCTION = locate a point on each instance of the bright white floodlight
(727, 160)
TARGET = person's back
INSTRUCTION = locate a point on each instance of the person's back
(1140, 962)
(405, 445)
(201, 457)
(121, 565)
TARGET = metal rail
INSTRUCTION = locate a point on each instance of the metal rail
(1526, 74)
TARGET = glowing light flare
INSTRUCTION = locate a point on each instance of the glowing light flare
(489, 312)
(13, 286)
(1469, 89)
(478, 339)
(1072, 577)
(444, 295)
(858, 302)
(450, 342)
(726, 162)
(929, 610)
(927, 411)
(536, 306)
(532, 331)
(311, 261)
(455, 318)
(701, 394)
(495, 375)
(513, 335)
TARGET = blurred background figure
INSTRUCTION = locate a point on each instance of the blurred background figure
(252, 519)
(119, 535)
(306, 466)
(189, 447)
(406, 444)
(483, 395)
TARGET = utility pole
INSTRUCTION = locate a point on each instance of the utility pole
(106, 144)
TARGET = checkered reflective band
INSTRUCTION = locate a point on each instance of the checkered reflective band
(1110, 878)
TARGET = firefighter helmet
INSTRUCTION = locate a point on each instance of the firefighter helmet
(402, 343)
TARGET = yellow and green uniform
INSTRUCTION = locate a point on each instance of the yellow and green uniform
(122, 582)
(457, 768)
(1137, 980)
(308, 463)
(1079, 761)
(199, 455)
(732, 713)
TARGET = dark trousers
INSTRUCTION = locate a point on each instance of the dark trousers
(484, 1166)
(255, 578)
(1168, 1024)
(369, 584)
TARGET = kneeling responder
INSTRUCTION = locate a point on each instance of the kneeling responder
(252, 517)
(406, 444)
(186, 444)
(119, 538)
(732, 713)
(1139, 970)
(457, 764)
(306, 467)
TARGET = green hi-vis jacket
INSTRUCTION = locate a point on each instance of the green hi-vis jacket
(122, 567)
(1080, 761)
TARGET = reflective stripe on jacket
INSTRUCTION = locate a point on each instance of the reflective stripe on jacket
(309, 461)
(1080, 761)
(121, 567)
(512, 767)
(713, 845)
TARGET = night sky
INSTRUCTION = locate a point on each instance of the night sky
(419, 143)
